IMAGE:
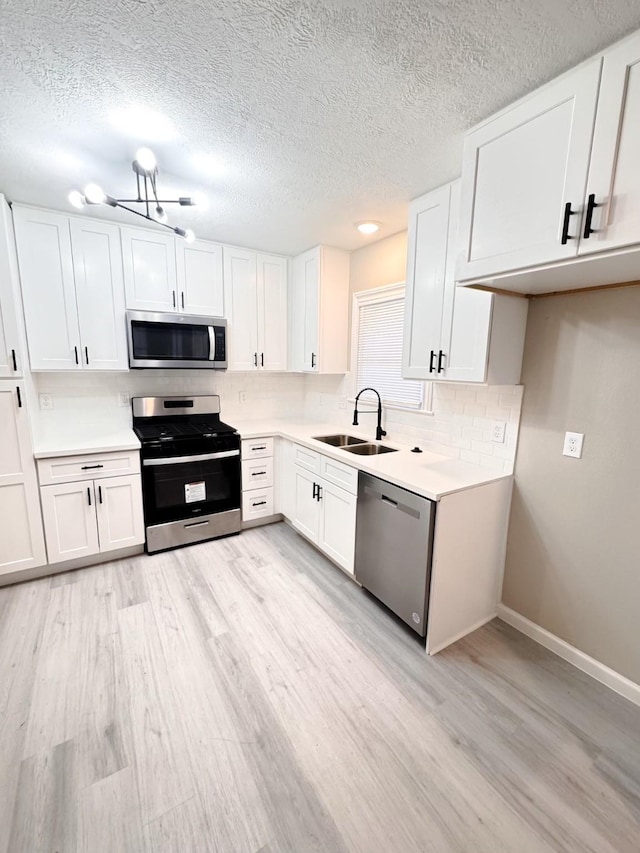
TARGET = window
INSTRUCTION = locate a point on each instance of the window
(377, 331)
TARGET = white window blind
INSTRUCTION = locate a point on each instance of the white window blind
(379, 353)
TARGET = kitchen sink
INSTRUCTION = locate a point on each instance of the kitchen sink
(340, 440)
(369, 449)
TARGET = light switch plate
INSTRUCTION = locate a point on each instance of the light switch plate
(573, 444)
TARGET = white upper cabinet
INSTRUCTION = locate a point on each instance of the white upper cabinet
(241, 302)
(319, 302)
(10, 354)
(255, 287)
(21, 539)
(524, 176)
(272, 291)
(150, 280)
(97, 263)
(200, 280)
(612, 200)
(48, 289)
(454, 333)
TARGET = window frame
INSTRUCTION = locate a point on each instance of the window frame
(368, 297)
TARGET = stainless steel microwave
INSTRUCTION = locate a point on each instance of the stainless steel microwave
(176, 341)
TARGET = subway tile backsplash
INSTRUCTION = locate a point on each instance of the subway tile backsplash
(459, 425)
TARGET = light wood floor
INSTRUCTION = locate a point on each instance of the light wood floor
(243, 695)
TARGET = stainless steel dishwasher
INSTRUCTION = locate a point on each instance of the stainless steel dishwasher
(394, 543)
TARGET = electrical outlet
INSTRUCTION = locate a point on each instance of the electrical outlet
(573, 444)
(497, 431)
(242, 396)
(123, 398)
(46, 402)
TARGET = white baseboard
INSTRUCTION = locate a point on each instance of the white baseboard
(602, 673)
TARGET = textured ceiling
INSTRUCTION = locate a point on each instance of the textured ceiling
(313, 115)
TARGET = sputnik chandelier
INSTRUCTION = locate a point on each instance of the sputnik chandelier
(145, 168)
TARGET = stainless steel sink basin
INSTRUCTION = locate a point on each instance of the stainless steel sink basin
(340, 440)
(369, 449)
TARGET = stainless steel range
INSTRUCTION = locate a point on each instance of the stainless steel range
(191, 481)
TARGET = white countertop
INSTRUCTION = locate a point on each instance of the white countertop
(429, 474)
(79, 439)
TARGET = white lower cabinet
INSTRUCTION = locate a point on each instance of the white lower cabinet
(258, 479)
(21, 539)
(324, 512)
(84, 517)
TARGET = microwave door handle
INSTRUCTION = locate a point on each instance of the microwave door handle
(212, 343)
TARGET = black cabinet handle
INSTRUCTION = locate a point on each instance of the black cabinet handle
(173, 298)
(100, 493)
(89, 467)
(255, 359)
(86, 355)
(315, 491)
(182, 299)
(568, 213)
(258, 473)
(432, 366)
(440, 360)
(19, 396)
(259, 447)
(313, 359)
(15, 364)
(258, 503)
(591, 205)
(89, 495)
(262, 359)
(75, 349)
(319, 493)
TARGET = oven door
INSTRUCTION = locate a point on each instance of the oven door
(176, 340)
(182, 487)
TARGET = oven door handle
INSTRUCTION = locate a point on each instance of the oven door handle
(212, 343)
(203, 457)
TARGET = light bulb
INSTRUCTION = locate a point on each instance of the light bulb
(368, 227)
(146, 159)
(77, 199)
(94, 194)
(160, 214)
(189, 236)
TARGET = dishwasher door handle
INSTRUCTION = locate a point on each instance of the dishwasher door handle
(387, 500)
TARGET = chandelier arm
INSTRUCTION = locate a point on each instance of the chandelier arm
(138, 186)
(141, 200)
(144, 216)
(146, 196)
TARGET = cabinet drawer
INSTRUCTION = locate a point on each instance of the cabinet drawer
(339, 474)
(257, 474)
(70, 469)
(257, 504)
(256, 448)
(306, 459)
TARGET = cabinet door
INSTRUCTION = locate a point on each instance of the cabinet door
(97, 263)
(21, 539)
(519, 172)
(337, 535)
(119, 508)
(425, 286)
(200, 281)
(241, 304)
(272, 312)
(70, 525)
(10, 361)
(48, 289)
(614, 177)
(305, 310)
(306, 517)
(466, 316)
(149, 259)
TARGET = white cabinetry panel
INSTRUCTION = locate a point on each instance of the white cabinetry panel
(21, 537)
(614, 176)
(119, 509)
(520, 170)
(70, 522)
(200, 279)
(272, 290)
(48, 289)
(149, 259)
(97, 262)
(337, 533)
(307, 509)
(10, 356)
(241, 304)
